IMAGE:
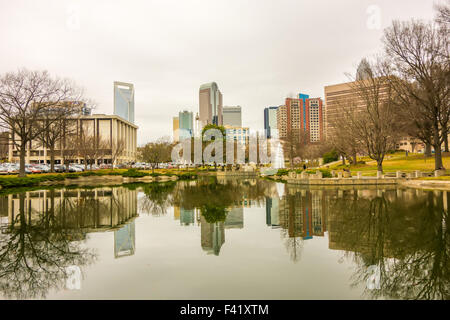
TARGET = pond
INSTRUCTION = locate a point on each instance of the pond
(224, 239)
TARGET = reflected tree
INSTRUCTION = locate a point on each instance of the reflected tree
(158, 198)
(406, 239)
(35, 250)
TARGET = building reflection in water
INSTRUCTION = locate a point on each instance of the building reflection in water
(212, 233)
(403, 233)
(45, 228)
(124, 241)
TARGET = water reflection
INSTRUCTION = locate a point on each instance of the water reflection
(403, 233)
(396, 241)
(43, 234)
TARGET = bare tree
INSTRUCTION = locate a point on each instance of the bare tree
(443, 13)
(91, 148)
(71, 149)
(157, 152)
(419, 73)
(293, 144)
(27, 97)
(374, 123)
(4, 145)
(117, 150)
(54, 130)
(344, 139)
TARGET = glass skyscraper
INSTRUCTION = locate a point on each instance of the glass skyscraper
(186, 124)
(270, 120)
(124, 100)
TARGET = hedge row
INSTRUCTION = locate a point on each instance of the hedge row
(131, 173)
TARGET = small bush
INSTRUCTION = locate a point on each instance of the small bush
(330, 156)
(187, 176)
(133, 173)
(282, 172)
(72, 176)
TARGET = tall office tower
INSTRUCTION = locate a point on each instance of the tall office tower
(270, 121)
(303, 97)
(315, 123)
(186, 125)
(232, 116)
(289, 118)
(338, 97)
(301, 118)
(124, 100)
(210, 104)
(176, 127)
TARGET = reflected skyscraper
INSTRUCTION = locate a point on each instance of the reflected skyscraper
(212, 236)
(302, 214)
(235, 218)
(124, 241)
(187, 217)
(272, 212)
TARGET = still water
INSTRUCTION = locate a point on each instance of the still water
(224, 239)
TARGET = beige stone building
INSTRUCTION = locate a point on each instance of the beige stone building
(109, 128)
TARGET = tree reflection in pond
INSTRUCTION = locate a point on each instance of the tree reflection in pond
(406, 239)
(45, 235)
(34, 254)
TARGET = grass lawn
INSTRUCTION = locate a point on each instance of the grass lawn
(394, 162)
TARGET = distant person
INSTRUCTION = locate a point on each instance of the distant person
(304, 166)
(406, 152)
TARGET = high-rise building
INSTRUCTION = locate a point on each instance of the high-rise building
(124, 100)
(270, 121)
(232, 116)
(185, 125)
(314, 121)
(340, 96)
(210, 104)
(176, 127)
(303, 97)
(302, 118)
(239, 134)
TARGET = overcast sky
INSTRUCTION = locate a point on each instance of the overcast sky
(258, 51)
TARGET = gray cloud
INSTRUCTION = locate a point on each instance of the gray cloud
(257, 51)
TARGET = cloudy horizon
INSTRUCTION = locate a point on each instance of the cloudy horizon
(258, 52)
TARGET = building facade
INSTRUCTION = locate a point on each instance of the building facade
(232, 116)
(210, 105)
(301, 118)
(239, 134)
(111, 129)
(270, 121)
(186, 125)
(124, 100)
(176, 127)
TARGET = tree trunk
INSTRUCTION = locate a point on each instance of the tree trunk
(355, 159)
(437, 151)
(52, 159)
(446, 142)
(380, 166)
(22, 160)
(427, 150)
(85, 164)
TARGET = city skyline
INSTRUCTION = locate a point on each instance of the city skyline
(246, 78)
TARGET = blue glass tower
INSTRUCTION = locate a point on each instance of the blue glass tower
(303, 97)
